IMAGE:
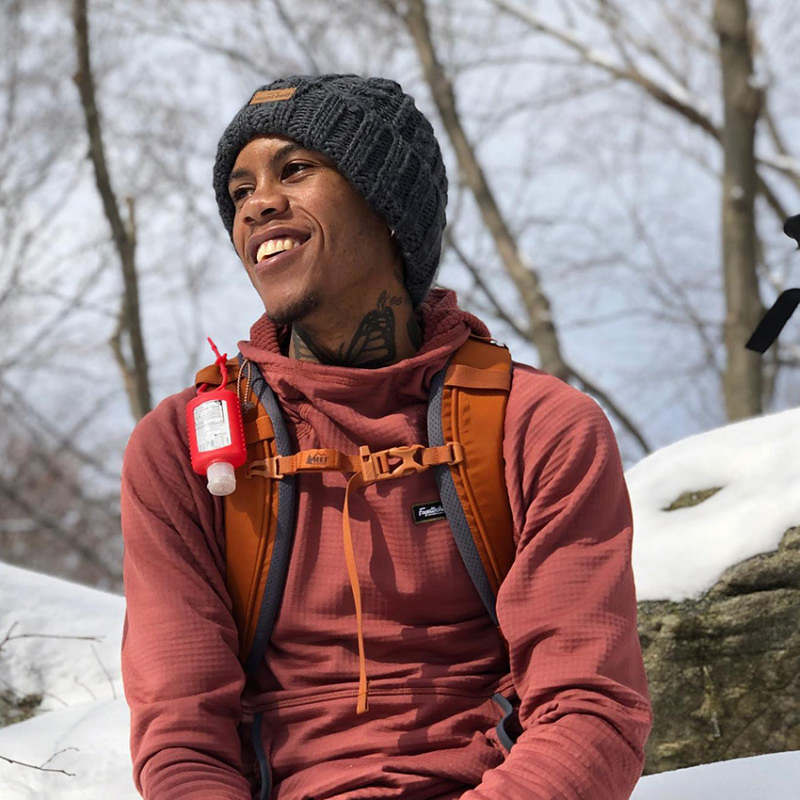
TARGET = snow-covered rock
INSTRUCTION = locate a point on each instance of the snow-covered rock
(681, 554)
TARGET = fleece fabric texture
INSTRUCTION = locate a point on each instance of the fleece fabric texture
(567, 608)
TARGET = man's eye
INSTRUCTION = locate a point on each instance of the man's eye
(294, 167)
(238, 193)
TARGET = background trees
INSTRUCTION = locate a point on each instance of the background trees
(619, 175)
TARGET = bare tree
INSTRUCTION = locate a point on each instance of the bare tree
(129, 323)
(645, 63)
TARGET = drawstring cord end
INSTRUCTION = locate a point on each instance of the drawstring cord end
(363, 700)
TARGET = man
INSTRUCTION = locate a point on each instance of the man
(333, 191)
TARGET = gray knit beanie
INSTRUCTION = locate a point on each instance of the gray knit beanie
(378, 140)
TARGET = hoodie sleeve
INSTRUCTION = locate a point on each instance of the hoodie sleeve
(183, 681)
(567, 607)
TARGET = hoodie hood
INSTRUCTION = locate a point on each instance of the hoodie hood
(372, 392)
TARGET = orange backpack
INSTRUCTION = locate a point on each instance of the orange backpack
(466, 413)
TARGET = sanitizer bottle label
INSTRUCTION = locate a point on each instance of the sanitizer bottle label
(211, 425)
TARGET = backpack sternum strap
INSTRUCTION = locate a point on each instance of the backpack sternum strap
(372, 466)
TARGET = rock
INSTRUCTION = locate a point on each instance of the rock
(724, 669)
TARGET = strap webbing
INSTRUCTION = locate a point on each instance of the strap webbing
(356, 481)
(263, 764)
(452, 505)
(505, 733)
(279, 563)
(373, 466)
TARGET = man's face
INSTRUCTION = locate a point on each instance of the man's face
(311, 245)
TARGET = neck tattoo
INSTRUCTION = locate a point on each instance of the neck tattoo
(373, 344)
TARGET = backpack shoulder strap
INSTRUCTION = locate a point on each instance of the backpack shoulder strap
(467, 405)
(211, 374)
(259, 518)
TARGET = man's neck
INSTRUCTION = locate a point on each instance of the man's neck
(387, 333)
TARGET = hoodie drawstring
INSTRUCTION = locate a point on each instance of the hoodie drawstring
(356, 481)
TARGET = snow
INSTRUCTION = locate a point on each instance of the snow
(771, 777)
(680, 554)
(66, 671)
(87, 740)
(82, 724)
(83, 712)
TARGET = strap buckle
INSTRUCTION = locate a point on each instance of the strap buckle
(456, 453)
(266, 468)
(378, 466)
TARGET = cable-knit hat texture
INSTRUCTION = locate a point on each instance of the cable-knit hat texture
(378, 140)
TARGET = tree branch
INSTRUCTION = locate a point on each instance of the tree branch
(743, 101)
(667, 97)
(541, 329)
(289, 24)
(9, 637)
(42, 768)
(592, 388)
(678, 101)
(585, 383)
(497, 306)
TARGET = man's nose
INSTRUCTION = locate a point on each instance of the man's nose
(264, 202)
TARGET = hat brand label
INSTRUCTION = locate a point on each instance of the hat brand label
(270, 95)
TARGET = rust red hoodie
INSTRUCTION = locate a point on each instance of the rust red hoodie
(434, 660)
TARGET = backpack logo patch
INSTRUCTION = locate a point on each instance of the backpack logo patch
(428, 512)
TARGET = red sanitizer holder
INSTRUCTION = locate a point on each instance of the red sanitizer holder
(216, 433)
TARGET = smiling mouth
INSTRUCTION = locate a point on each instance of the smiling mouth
(274, 247)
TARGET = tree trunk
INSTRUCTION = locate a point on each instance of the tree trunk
(134, 368)
(537, 306)
(742, 381)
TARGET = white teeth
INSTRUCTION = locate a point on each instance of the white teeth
(272, 246)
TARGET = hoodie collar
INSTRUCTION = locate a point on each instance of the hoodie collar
(445, 328)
